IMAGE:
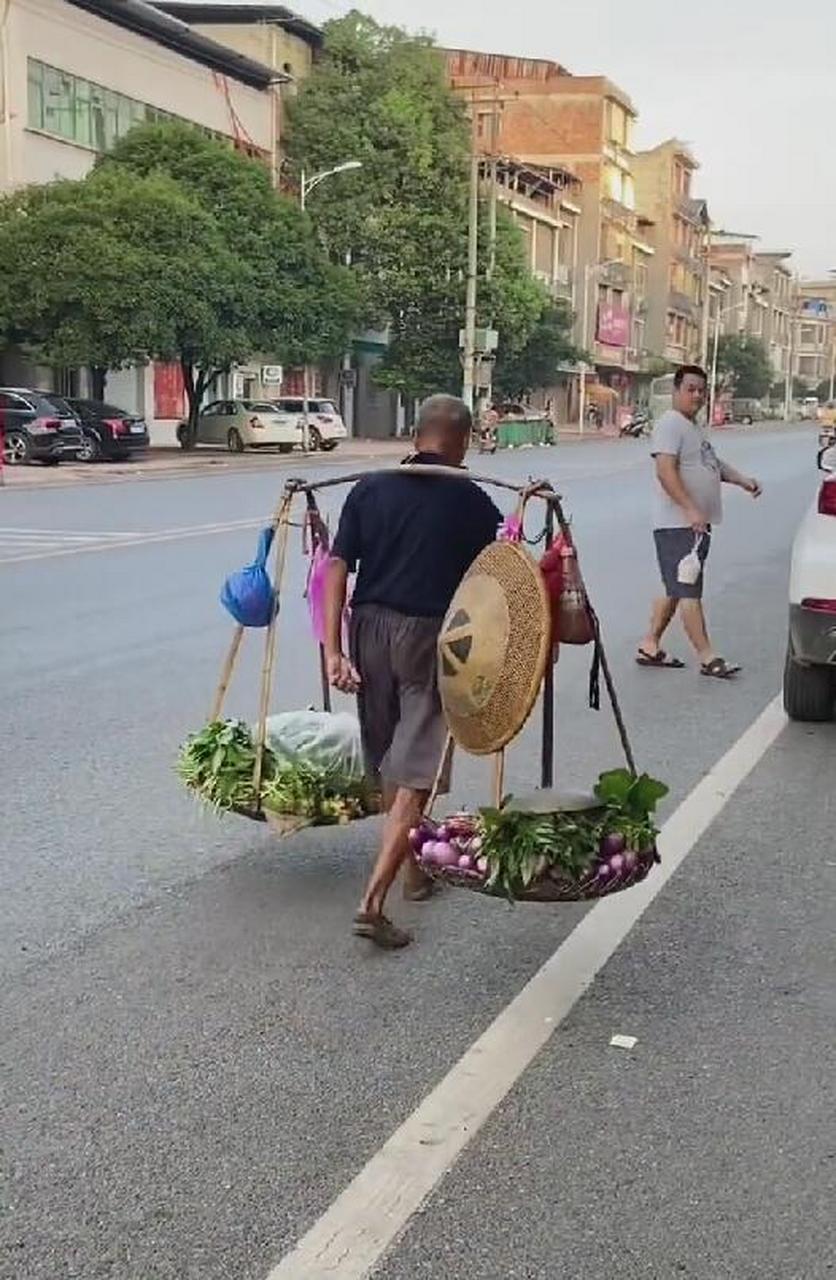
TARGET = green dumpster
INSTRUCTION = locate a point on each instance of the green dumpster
(517, 432)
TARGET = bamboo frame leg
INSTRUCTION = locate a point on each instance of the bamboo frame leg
(226, 674)
(268, 664)
(443, 765)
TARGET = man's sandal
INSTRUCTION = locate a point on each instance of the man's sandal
(720, 669)
(659, 659)
(381, 932)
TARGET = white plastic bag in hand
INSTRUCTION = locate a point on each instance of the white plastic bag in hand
(690, 566)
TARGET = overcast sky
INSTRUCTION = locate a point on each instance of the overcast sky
(750, 84)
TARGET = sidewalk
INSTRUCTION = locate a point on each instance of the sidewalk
(173, 462)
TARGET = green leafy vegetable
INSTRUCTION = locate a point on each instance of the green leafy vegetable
(520, 846)
(219, 764)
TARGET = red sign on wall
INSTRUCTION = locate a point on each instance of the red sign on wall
(169, 391)
(613, 325)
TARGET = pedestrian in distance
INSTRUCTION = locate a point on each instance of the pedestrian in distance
(688, 504)
(410, 539)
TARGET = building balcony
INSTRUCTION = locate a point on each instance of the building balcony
(681, 303)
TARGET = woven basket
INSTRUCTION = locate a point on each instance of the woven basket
(553, 886)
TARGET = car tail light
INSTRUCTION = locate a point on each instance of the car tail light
(40, 426)
(819, 606)
(827, 498)
(117, 425)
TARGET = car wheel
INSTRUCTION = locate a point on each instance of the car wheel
(234, 443)
(747, 421)
(17, 449)
(809, 692)
(91, 449)
(327, 445)
(314, 440)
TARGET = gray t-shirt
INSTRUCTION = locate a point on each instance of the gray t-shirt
(699, 469)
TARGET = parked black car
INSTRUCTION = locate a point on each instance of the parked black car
(37, 428)
(108, 432)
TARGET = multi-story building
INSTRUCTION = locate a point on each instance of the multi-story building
(269, 33)
(774, 302)
(732, 257)
(75, 76)
(551, 119)
(815, 336)
(544, 205)
(676, 327)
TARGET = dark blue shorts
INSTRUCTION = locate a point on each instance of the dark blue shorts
(672, 545)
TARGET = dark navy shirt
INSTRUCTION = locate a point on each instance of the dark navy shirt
(413, 538)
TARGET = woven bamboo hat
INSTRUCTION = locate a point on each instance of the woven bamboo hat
(493, 647)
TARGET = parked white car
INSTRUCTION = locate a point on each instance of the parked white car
(260, 424)
(810, 672)
(325, 426)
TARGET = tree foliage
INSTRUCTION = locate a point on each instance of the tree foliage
(745, 360)
(537, 363)
(175, 248)
(380, 96)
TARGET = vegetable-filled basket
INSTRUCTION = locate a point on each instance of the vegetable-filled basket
(550, 848)
(311, 770)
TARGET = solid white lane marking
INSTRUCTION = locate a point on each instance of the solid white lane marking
(352, 1235)
(116, 543)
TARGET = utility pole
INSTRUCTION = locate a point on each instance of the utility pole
(706, 297)
(472, 266)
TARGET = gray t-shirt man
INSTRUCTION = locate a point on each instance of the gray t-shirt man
(699, 469)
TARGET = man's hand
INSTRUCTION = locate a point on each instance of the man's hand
(341, 673)
(752, 486)
(696, 519)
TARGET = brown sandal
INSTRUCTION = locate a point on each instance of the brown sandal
(379, 930)
(659, 659)
(720, 669)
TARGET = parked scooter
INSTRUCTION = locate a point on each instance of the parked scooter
(637, 426)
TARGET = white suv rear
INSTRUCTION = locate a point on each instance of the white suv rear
(810, 672)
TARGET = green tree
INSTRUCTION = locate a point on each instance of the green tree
(746, 362)
(380, 96)
(277, 291)
(538, 361)
(176, 248)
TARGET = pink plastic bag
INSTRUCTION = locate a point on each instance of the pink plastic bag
(510, 530)
(315, 593)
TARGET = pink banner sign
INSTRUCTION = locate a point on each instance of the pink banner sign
(613, 325)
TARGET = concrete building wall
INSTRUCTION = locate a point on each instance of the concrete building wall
(69, 40)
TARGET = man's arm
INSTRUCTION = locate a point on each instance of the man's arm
(667, 471)
(729, 475)
(341, 673)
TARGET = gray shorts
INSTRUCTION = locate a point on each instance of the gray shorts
(401, 720)
(672, 545)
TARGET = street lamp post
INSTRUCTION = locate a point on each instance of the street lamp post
(307, 184)
(712, 391)
(591, 269)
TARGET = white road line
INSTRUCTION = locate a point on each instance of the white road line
(352, 1236)
(130, 540)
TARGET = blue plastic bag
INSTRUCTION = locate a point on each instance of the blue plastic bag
(248, 594)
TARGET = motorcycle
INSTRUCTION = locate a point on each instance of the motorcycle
(637, 426)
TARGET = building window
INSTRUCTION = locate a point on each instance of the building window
(87, 114)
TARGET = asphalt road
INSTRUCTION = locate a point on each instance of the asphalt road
(197, 1056)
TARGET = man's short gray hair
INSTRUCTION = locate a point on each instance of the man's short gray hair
(445, 413)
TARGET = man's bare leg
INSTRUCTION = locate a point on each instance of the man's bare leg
(660, 620)
(404, 813)
(693, 620)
